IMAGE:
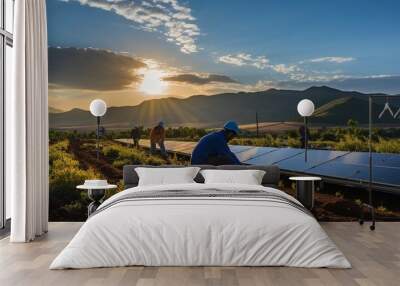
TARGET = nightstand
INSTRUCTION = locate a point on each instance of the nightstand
(96, 194)
(305, 188)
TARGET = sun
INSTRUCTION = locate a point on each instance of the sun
(152, 83)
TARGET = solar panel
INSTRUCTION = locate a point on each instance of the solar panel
(335, 164)
(340, 170)
(184, 147)
(381, 175)
(239, 148)
(386, 175)
(314, 158)
(378, 159)
(275, 156)
(254, 152)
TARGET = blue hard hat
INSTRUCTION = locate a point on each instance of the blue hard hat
(232, 126)
(161, 123)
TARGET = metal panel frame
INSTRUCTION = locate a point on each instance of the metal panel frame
(6, 39)
(2, 92)
(370, 205)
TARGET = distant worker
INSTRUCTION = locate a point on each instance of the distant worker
(157, 136)
(136, 133)
(302, 131)
(213, 148)
(102, 131)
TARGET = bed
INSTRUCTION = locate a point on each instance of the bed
(199, 224)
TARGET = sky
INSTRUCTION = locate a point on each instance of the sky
(126, 51)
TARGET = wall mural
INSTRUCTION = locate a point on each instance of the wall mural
(171, 71)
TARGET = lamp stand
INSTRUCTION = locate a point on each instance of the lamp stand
(369, 205)
(97, 138)
(305, 137)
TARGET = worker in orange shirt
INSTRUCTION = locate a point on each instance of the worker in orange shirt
(157, 136)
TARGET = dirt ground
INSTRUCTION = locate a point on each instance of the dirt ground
(342, 206)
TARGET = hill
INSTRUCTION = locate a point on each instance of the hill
(333, 107)
(55, 110)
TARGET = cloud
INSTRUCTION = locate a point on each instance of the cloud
(285, 69)
(299, 76)
(259, 62)
(199, 79)
(243, 59)
(337, 60)
(168, 17)
(91, 69)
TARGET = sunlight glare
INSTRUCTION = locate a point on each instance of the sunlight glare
(152, 82)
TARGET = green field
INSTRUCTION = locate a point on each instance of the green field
(73, 160)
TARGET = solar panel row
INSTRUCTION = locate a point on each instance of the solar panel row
(334, 164)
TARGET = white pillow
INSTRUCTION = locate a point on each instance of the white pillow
(248, 177)
(166, 176)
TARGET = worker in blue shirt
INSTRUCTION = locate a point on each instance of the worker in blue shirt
(213, 148)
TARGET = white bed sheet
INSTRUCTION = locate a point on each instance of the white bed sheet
(200, 232)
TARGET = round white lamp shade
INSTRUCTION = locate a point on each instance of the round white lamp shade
(305, 107)
(98, 107)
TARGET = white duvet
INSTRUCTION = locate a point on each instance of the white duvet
(193, 231)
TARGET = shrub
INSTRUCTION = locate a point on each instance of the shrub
(119, 163)
(267, 141)
(66, 203)
(329, 135)
(350, 143)
(120, 155)
(293, 142)
(381, 209)
(111, 152)
(387, 146)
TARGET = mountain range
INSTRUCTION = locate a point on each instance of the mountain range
(333, 107)
(55, 110)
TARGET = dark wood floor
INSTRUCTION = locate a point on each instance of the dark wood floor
(375, 257)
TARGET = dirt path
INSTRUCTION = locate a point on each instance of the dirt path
(87, 158)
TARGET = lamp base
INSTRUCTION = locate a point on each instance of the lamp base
(96, 195)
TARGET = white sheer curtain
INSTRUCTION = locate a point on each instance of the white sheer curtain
(27, 124)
